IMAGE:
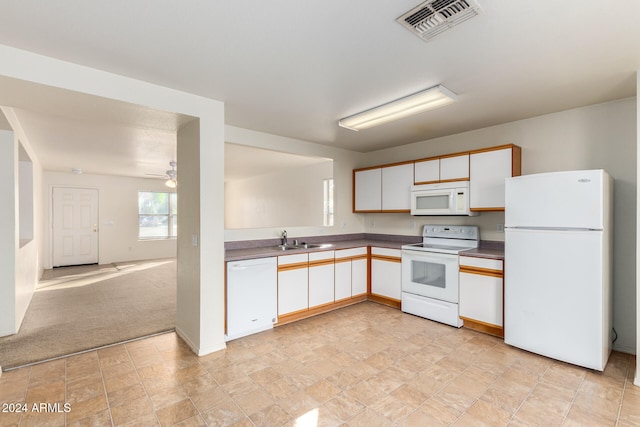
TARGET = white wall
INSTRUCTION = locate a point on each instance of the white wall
(292, 197)
(19, 260)
(117, 215)
(637, 261)
(599, 136)
(8, 231)
(344, 162)
(19, 64)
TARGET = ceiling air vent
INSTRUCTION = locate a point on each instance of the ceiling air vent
(434, 16)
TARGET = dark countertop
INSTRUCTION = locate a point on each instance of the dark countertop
(238, 253)
(487, 249)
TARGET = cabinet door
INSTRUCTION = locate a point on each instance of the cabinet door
(386, 273)
(454, 168)
(343, 279)
(427, 171)
(321, 284)
(293, 290)
(368, 190)
(358, 277)
(293, 283)
(385, 278)
(396, 187)
(481, 298)
(488, 170)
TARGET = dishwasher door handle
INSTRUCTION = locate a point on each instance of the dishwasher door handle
(241, 267)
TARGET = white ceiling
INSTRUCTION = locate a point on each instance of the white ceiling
(295, 68)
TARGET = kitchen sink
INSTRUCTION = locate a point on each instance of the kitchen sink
(303, 246)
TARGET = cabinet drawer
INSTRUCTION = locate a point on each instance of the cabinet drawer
(386, 252)
(321, 256)
(349, 253)
(481, 263)
(293, 261)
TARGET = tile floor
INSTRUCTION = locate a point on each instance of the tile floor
(364, 365)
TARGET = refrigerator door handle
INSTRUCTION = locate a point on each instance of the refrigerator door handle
(510, 227)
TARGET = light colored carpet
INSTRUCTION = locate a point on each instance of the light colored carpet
(79, 308)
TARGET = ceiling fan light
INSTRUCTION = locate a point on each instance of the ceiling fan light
(428, 99)
(172, 182)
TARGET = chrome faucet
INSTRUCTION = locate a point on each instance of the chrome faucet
(284, 237)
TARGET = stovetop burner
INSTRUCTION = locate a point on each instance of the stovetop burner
(446, 239)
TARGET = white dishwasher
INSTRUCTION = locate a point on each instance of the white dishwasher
(252, 296)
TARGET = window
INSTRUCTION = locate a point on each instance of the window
(157, 215)
(328, 203)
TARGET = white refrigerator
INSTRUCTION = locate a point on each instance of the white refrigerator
(557, 290)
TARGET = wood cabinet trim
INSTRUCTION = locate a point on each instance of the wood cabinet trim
(517, 150)
(352, 258)
(391, 302)
(386, 258)
(442, 156)
(495, 148)
(390, 165)
(296, 266)
(426, 182)
(321, 262)
(480, 326)
(481, 271)
(516, 161)
(303, 314)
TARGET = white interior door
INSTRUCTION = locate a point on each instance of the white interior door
(75, 226)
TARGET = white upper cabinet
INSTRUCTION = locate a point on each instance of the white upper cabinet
(396, 187)
(454, 168)
(447, 168)
(488, 170)
(383, 189)
(367, 190)
(427, 171)
(387, 188)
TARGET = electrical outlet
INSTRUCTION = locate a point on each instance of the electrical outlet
(412, 225)
(500, 228)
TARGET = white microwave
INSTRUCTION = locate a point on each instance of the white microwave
(446, 198)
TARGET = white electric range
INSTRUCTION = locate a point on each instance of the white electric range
(430, 272)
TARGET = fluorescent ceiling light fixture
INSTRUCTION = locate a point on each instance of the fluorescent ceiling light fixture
(428, 99)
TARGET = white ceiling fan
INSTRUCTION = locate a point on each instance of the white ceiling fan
(171, 175)
(172, 182)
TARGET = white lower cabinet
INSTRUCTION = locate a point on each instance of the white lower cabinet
(481, 291)
(321, 278)
(350, 273)
(386, 272)
(342, 279)
(359, 273)
(293, 283)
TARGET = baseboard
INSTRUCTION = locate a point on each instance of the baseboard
(187, 341)
(624, 349)
(196, 349)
